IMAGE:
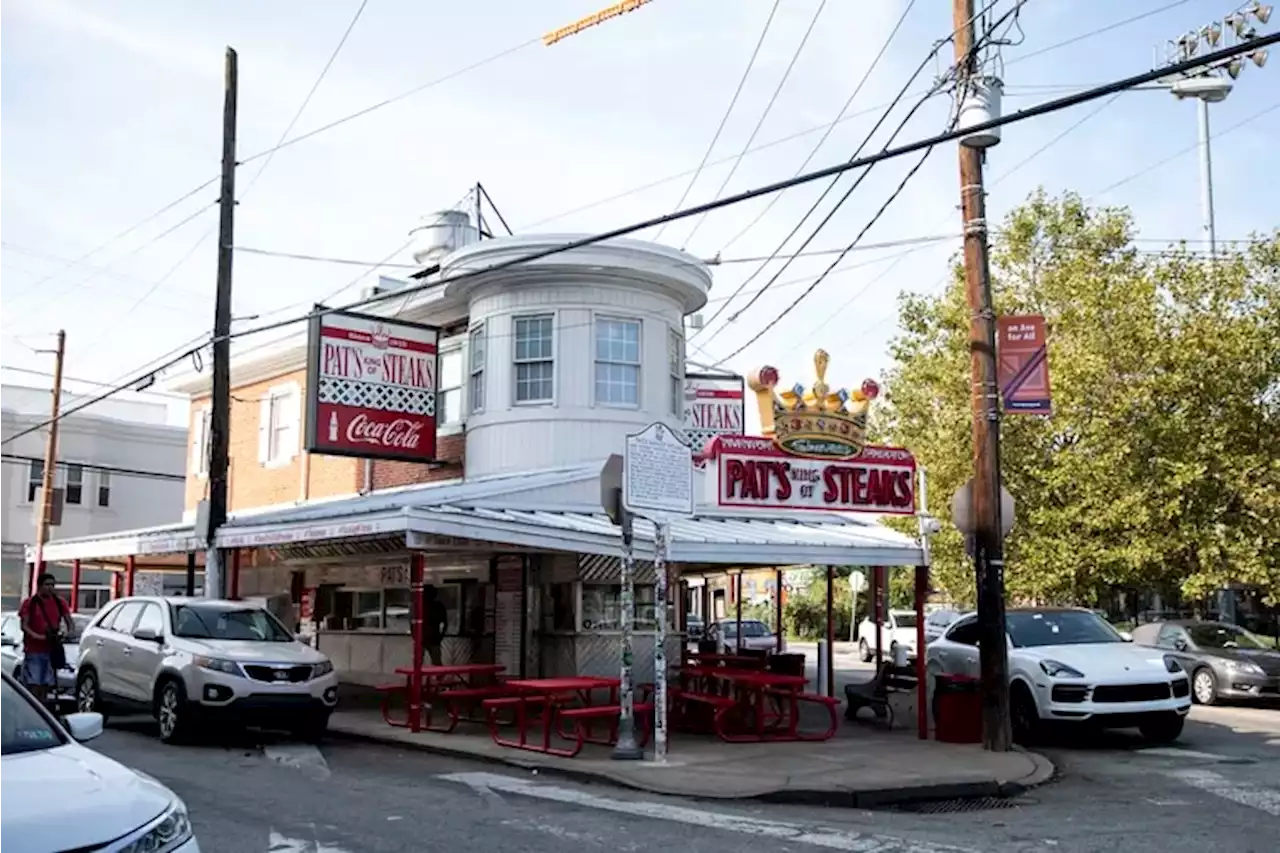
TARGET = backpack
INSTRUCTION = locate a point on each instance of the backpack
(57, 654)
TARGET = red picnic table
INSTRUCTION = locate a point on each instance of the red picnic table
(453, 686)
(728, 690)
(555, 702)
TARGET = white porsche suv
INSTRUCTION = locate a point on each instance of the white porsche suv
(1067, 665)
(193, 661)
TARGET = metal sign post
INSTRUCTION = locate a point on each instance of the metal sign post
(657, 483)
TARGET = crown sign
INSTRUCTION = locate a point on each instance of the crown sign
(817, 423)
(381, 339)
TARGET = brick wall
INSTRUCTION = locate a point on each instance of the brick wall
(252, 484)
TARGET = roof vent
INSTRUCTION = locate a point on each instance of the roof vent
(440, 234)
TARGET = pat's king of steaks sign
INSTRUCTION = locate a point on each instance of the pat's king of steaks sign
(372, 387)
(813, 454)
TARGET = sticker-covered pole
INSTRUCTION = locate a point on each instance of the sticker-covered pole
(627, 749)
(660, 642)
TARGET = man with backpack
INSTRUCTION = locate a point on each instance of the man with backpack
(43, 617)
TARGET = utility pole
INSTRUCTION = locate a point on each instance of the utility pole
(220, 408)
(50, 464)
(988, 548)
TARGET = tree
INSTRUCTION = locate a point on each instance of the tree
(1161, 463)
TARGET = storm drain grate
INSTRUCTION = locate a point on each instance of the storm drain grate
(963, 804)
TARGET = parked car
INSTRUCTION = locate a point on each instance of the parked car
(937, 622)
(64, 796)
(1225, 661)
(899, 629)
(192, 660)
(1069, 665)
(694, 627)
(11, 638)
(756, 635)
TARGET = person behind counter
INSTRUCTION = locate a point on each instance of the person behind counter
(433, 628)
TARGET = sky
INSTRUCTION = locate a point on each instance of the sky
(111, 110)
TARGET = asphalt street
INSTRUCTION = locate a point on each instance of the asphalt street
(1219, 788)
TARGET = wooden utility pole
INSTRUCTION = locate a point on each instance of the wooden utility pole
(50, 465)
(988, 547)
(220, 407)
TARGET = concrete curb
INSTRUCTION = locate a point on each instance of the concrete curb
(1043, 771)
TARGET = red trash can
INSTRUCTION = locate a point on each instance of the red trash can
(957, 709)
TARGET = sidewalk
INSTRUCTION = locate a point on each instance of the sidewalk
(861, 767)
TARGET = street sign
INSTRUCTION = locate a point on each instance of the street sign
(1023, 372)
(657, 474)
(611, 488)
(857, 582)
(962, 510)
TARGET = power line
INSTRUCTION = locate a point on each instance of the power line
(294, 256)
(918, 145)
(1097, 32)
(93, 382)
(14, 458)
(742, 81)
(768, 107)
(813, 152)
(1055, 140)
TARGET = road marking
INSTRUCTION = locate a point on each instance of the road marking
(1174, 752)
(1263, 799)
(277, 843)
(815, 836)
(299, 756)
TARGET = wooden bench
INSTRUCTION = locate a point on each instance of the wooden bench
(582, 718)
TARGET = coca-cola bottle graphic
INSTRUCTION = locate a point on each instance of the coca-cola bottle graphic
(333, 426)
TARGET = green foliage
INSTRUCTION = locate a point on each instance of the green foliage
(1161, 462)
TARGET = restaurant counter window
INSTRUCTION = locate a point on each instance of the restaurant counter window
(602, 607)
(557, 608)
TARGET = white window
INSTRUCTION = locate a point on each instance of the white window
(280, 414)
(35, 479)
(104, 488)
(201, 436)
(617, 362)
(534, 360)
(476, 355)
(450, 394)
(675, 367)
(73, 484)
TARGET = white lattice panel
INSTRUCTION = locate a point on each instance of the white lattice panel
(368, 395)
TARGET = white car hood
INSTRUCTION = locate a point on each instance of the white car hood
(1104, 661)
(72, 797)
(254, 651)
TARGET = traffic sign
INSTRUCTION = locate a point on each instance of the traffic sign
(657, 474)
(962, 510)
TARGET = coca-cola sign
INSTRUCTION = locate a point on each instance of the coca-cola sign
(372, 387)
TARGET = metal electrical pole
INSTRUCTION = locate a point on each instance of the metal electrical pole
(50, 465)
(1206, 178)
(220, 407)
(627, 747)
(988, 545)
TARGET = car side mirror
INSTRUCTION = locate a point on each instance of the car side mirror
(148, 634)
(1180, 644)
(84, 726)
(8, 641)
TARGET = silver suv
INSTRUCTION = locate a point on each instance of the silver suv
(189, 661)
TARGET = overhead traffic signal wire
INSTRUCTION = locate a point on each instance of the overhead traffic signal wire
(919, 145)
(724, 119)
(813, 152)
(773, 99)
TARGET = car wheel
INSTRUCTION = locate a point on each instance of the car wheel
(1025, 718)
(172, 711)
(88, 697)
(864, 651)
(1204, 687)
(312, 727)
(1162, 728)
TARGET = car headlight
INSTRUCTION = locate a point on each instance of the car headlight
(1172, 665)
(1244, 667)
(1055, 669)
(323, 668)
(171, 830)
(230, 667)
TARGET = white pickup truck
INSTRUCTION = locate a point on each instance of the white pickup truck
(899, 629)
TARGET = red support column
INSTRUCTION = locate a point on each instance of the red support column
(777, 602)
(75, 586)
(129, 567)
(417, 566)
(233, 582)
(922, 687)
(115, 585)
(831, 632)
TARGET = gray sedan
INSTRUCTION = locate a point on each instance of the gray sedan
(1225, 661)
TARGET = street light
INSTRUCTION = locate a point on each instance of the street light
(1211, 86)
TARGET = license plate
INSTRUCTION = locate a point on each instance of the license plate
(282, 675)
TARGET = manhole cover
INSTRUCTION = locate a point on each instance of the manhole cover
(964, 804)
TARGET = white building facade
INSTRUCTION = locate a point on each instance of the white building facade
(120, 467)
